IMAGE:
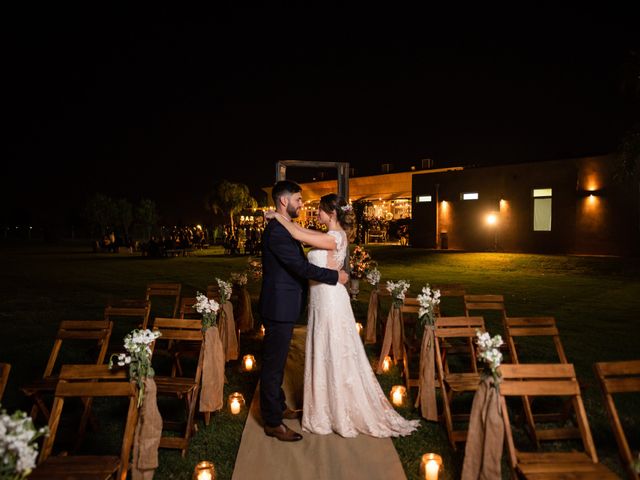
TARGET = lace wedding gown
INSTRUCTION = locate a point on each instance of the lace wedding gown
(341, 392)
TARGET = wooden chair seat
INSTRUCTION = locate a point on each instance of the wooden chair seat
(87, 467)
(177, 385)
(561, 465)
(462, 382)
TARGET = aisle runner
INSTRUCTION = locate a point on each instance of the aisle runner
(316, 456)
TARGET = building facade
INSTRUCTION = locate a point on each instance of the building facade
(565, 206)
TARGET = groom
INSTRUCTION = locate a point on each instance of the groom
(286, 272)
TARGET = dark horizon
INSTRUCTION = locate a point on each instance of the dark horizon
(160, 104)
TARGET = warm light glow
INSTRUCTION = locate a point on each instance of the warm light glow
(386, 364)
(430, 465)
(492, 219)
(235, 407)
(199, 227)
(444, 204)
(249, 362)
(398, 393)
(262, 330)
(204, 471)
(359, 327)
(503, 204)
(236, 401)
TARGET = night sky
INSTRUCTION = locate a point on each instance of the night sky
(159, 103)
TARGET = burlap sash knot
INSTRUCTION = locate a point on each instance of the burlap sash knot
(147, 435)
(483, 451)
(392, 337)
(372, 317)
(427, 383)
(211, 392)
(227, 327)
(244, 315)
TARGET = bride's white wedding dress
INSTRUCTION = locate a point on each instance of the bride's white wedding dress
(341, 392)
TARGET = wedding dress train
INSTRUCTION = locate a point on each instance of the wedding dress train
(341, 392)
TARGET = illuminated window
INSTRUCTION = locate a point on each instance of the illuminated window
(423, 198)
(542, 209)
(469, 196)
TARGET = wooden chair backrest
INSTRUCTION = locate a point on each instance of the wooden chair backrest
(213, 292)
(88, 381)
(619, 377)
(129, 308)
(182, 329)
(448, 290)
(98, 330)
(382, 290)
(5, 368)
(484, 302)
(165, 290)
(186, 308)
(516, 327)
(463, 328)
(543, 380)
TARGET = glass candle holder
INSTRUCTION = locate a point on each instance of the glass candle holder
(359, 327)
(204, 471)
(398, 395)
(236, 403)
(431, 466)
(248, 363)
(386, 364)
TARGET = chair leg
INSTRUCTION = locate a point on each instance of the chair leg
(447, 397)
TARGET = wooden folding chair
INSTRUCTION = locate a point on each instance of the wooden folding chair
(213, 292)
(409, 314)
(449, 291)
(523, 327)
(451, 329)
(88, 381)
(98, 331)
(139, 309)
(5, 368)
(549, 380)
(187, 310)
(475, 303)
(187, 388)
(166, 290)
(620, 377)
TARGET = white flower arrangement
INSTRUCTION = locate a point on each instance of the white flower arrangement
(208, 308)
(398, 291)
(488, 351)
(346, 208)
(18, 447)
(373, 276)
(428, 299)
(137, 344)
(239, 278)
(225, 290)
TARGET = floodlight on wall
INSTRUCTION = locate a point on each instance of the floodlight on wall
(492, 219)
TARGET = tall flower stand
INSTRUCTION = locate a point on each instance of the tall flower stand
(354, 288)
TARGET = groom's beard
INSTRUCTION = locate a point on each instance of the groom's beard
(292, 211)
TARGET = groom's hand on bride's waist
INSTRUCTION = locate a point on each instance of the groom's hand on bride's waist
(343, 277)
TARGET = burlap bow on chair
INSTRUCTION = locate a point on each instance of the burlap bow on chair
(483, 451)
(147, 435)
(211, 393)
(227, 326)
(427, 384)
(372, 318)
(244, 316)
(392, 338)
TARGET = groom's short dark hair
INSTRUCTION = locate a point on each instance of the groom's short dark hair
(284, 187)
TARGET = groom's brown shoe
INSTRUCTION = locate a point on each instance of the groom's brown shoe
(282, 433)
(290, 414)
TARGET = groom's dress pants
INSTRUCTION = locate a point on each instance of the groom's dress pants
(275, 349)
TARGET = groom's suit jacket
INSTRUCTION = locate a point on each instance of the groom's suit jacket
(285, 274)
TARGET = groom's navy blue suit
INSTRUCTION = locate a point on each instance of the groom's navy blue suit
(285, 275)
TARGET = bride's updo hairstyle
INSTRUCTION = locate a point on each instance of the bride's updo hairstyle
(334, 203)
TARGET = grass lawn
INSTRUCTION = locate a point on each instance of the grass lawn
(595, 300)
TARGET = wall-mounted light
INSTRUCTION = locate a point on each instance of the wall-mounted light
(492, 219)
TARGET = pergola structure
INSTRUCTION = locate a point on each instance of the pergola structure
(341, 167)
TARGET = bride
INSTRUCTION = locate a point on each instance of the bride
(341, 392)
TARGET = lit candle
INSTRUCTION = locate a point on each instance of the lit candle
(262, 330)
(204, 471)
(204, 475)
(235, 406)
(386, 364)
(359, 327)
(397, 395)
(249, 362)
(430, 465)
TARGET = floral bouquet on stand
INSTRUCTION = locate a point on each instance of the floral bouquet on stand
(208, 308)
(239, 279)
(18, 447)
(488, 352)
(373, 277)
(137, 344)
(360, 263)
(226, 289)
(398, 291)
(428, 300)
